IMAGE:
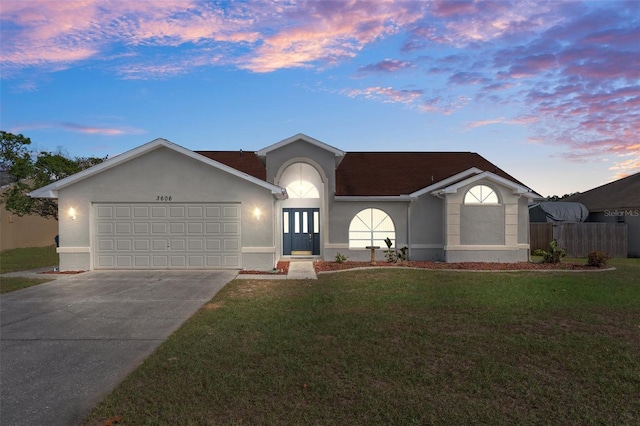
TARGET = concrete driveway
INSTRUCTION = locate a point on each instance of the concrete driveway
(65, 344)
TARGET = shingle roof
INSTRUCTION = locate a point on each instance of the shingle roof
(396, 173)
(246, 162)
(620, 194)
(378, 173)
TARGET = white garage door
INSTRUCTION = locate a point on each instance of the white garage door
(167, 236)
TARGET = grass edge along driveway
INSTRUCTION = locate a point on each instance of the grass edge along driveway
(399, 346)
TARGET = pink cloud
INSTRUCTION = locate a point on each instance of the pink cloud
(328, 32)
(80, 128)
(388, 65)
(386, 94)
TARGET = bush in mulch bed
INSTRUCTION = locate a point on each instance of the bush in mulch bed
(321, 266)
(282, 268)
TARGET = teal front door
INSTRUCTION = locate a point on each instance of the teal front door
(301, 231)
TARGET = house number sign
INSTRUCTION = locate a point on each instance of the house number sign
(164, 198)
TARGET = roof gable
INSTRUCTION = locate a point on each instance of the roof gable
(301, 137)
(620, 194)
(51, 190)
(517, 188)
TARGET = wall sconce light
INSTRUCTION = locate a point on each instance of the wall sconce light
(72, 213)
(257, 213)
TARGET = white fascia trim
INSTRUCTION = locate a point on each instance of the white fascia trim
(517, 189)
(447, 181)
(51, 190)
(301, 136)
(403, 198)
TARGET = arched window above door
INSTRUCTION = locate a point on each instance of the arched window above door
(302, 189)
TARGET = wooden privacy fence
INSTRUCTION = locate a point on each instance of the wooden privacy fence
(581, 238)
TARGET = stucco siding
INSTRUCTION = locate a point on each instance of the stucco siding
(160, 173)
(482, 225)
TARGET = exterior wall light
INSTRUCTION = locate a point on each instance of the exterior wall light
(72, 213)
(257, 213)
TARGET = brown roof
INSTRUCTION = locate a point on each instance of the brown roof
(397, 173)
(620, 194)
(247, 162)
(378, 173)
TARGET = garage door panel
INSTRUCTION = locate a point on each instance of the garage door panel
(159, 228)
(124, 245)
(141, 245)
(194, 244)
(141, 261)
(177, 228)
(177, 212)
(158, 211)
(195, 212)
(123, 212)
(124, 261)
(159, 245)
(105, 244)
(141, 212)
(164, 236)
(178, 245)
(141, 228)
(123, 228)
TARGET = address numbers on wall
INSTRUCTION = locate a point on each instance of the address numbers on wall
(164, 198)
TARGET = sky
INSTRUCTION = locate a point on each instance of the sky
(547, 91)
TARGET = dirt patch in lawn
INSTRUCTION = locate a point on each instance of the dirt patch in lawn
(324, 266)
(62, 272)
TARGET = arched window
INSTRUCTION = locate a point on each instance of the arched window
(370, 227)
(481, 194)
(302, 189)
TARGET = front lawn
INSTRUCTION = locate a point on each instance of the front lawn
(9, 284)
(23, 259)
(400, 347)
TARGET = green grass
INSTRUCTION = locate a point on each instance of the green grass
(400, 347)
(23, 259)
(8, 285)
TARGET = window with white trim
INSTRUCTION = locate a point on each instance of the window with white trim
(370, 227)
(302, 189)
(481, 194)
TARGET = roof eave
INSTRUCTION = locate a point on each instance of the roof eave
(392, 198)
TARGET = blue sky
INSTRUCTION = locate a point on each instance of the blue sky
(548, 91)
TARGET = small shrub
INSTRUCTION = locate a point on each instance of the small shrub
(554, 254)
(389, 253)
(538, 252)
(341, 258)
(598, 258)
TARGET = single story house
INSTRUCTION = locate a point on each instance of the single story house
(615, 202)
(162, 206)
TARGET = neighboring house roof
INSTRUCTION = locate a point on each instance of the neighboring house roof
(51, 191)
(620, 194)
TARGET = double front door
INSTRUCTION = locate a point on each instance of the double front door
(301, 231)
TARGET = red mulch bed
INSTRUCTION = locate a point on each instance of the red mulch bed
(62, 272)
(322, 266)
(282, 268)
